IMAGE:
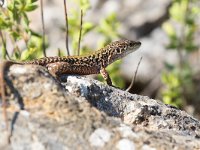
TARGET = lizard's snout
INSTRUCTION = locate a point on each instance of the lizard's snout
(138, 43)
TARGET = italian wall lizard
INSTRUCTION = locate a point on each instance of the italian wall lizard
(93, 63)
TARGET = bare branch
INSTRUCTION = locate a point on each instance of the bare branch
(134, 78)
(67, 28)
(43, 29)
(80, 33)
(4, 44)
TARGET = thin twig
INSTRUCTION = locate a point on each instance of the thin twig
(2, 67)
(80, 33)
(4, 44)
(43, 29)
(134, 78)
(67, 28)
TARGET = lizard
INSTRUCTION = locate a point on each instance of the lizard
(93, 63)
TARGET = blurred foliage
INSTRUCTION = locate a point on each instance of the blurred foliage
(14, 23)
(107, 28)
(74, 18)
(181, 29)
(179, 85)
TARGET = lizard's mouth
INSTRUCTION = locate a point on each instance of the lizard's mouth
(137, 45)
(128, 52)
(131, 50)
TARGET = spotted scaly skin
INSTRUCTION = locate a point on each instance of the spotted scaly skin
(93, 63)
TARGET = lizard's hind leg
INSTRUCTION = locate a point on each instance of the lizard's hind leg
(58, 68)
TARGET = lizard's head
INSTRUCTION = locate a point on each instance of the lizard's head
(122, 48)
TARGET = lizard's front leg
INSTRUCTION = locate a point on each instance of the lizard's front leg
(106, 76)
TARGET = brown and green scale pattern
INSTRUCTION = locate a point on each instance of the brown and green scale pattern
(88, 64)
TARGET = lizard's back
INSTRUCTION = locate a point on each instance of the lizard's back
(88, 64)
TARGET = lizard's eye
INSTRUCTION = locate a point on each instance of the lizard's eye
(118, 50)
(131, 44)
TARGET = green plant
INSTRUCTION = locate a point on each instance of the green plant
(179, 86)
(74, 23)
(14, 23)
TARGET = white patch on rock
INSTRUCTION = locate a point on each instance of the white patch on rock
(126, 131)
(69, 88)
(131, 116)
(25, 113)
(48, 85)
(125, 144)
(17, 69)
(147, 147)
(80, 82)
(38, 146)
(99, 137)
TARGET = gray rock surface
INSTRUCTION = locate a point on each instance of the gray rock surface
(83, 113)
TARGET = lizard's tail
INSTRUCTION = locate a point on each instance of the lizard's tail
(43, 61)
(35, 62)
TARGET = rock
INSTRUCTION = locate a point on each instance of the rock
(82, 113)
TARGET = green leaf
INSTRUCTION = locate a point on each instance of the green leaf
(33, 1)
(16, 35)
(87, 27)
(26, 19)
(4, 52)
(169, 29)
(4, 23)
(85, 5)
(30, 7)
